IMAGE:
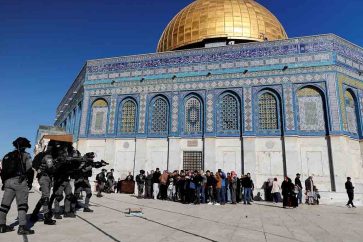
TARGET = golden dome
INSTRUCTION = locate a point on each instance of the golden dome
(240, 20)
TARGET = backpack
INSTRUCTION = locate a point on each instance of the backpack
(12, 166)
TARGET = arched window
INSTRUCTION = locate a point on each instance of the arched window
(229, 113)
(99, 117)
(350, 109)
(128, 117)
(311, 110)
(159, 118)
(268, 117)
(193, 115)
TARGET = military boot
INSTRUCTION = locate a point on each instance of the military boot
(87, 210)
(22, 230)
(5, 228)
(48, 219)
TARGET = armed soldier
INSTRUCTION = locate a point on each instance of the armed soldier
(110, 181)
(64, 168)
(44, 164)
(81, 182)
(16, 167)
(101, 180)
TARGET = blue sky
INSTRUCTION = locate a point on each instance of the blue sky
(43, 45)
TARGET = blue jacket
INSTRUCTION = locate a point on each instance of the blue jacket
(224, 178)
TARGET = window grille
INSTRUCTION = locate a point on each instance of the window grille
(192, 160)
(159, 122)
(267, 112)
(229, 113)
(128, 119)
(192, 115)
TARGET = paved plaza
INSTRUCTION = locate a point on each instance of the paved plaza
(169, 221)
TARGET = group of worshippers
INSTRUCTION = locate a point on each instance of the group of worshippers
(187, 186)
(292, 192)
(220, 188)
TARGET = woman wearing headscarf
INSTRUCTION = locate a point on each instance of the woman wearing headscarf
(287, 189)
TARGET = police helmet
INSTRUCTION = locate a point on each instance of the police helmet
(21, 142)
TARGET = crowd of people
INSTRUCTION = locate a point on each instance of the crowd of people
(185, 186)
(215, 188)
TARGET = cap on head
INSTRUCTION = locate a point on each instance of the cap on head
(21, 142)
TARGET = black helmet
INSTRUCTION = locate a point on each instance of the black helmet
(21, 142)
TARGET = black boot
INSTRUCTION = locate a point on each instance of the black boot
(87, 210)
(48, 219)
(22, 230)
(5, 228)
(57, 216)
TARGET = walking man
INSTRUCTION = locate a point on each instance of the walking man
(299, 186)
(350, 192)
(15, 167)
(247, 184)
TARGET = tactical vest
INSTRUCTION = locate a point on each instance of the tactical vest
(12, 166)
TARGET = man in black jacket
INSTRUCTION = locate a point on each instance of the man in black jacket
(247, 185)
(140, 180)
(350, 192)
(299, 185)
(156, 182)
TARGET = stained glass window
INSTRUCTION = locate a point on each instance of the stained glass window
(350, 109)
(311, 111)
(128, 117)
(229, 113)
(193, 115)
(99, 117)
(159, 121)
(267, 112)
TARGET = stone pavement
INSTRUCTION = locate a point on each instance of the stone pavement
(169, 221)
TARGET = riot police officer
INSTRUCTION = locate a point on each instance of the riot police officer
(16, 166)
(101, 180)
(62, 182)
(81, 182)
(45, 170)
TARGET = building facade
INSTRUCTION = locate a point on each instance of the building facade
(272, 107)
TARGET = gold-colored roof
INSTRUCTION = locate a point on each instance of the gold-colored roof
(244, 20)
